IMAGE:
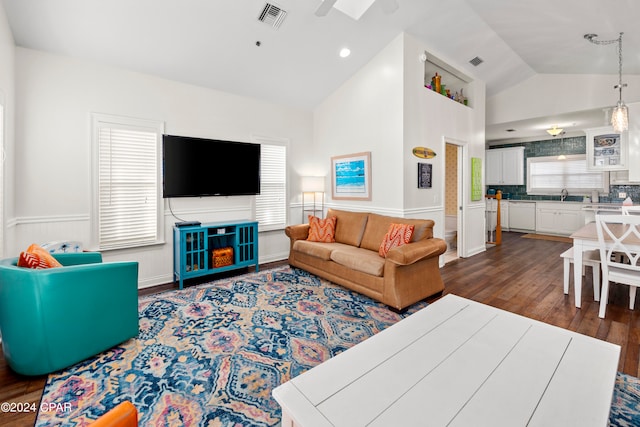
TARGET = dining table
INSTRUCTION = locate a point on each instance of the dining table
(585, 239)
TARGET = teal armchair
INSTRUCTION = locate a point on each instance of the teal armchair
(53, 318)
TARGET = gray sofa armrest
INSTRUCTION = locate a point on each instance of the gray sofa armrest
(413, 252)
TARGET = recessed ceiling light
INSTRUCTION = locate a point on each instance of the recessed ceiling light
(344, 52)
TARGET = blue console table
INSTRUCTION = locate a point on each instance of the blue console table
(193, 248)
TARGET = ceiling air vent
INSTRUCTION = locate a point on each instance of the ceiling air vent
(476, 61)
(272, 15)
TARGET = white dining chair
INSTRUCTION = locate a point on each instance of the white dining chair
(589, 259)
(630, 210)
(619, 234)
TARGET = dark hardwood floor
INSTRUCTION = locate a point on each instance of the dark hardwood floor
(523, 276)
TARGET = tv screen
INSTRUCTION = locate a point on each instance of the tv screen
(195, 167)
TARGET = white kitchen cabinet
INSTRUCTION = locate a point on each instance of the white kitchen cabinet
(505, 166)
(558, 218)
(522, 215)
(491, 214)
(620, 178)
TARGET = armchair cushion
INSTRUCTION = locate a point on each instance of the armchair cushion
(37, 257)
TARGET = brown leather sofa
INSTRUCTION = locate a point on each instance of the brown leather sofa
(407, 275)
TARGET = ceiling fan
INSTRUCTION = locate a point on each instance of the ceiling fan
(388, 6)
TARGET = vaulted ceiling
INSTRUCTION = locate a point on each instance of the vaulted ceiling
(221, 44)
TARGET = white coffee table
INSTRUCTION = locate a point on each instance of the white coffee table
(459, 363)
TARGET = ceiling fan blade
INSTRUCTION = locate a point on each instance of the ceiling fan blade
(388, 6)
(325, 7)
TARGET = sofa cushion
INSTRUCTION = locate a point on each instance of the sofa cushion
(322, 230)
(398, 235)
(378, 225)
(316, 249)
(359, 259)
(349, 226)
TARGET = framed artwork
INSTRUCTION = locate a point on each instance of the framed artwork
(424, 175)
(606, 149)
(476, 179)
(351, 176)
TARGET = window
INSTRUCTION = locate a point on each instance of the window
(271, 203)
(127, 209)
(549, 175)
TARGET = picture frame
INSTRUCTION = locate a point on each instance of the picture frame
(607, 149)
(425, 175)
(351, 176)
(476, 179)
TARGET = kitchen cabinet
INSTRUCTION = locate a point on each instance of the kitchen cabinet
(522, 215)
(505, 166)
(558, 218)
(491, 205)
(620, 178)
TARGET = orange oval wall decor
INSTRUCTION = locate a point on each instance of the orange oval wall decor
(424, 152)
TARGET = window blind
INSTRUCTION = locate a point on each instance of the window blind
(549, 175)
(271, 203)
(128, 205)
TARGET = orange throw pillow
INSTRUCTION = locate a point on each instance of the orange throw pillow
(322, 230)
(37, 257)
(398, 235)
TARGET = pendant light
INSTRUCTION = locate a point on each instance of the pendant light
(620, 115)
(555, 130)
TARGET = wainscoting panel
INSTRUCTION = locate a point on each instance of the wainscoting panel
(474, 221)
(155, 261)
(40, 230)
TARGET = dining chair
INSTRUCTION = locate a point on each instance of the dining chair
(589, 259)
(630, 210)
(619, 234)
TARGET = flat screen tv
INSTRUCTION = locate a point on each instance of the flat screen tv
(196, 167)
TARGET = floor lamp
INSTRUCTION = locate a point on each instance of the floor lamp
(312, 196)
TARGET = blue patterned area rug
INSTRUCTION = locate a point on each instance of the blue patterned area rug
(625, 406)
(210, 355)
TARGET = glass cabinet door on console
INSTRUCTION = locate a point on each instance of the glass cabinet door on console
(195, 251)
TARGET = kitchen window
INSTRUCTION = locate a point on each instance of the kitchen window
(550, 175)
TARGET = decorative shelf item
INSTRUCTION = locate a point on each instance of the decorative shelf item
(442, 78)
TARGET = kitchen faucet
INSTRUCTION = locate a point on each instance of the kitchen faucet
(563, 194)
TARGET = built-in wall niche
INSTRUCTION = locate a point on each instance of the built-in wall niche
(451, 80)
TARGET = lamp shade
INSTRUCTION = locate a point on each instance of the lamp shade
(554, 131)
(312, 184)
(620, 117)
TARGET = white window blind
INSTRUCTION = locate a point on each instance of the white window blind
(128, 203)
(549, 175)
(271, 203)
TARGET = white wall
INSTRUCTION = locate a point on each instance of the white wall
(7, 61)
(385, 109)
(552, 94)
(634, 142)
(56, 94)
(432, 120)
(366, 114)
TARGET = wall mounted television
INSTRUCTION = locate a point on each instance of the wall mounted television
(197, 167)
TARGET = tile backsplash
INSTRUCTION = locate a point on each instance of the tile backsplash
(555, 147)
